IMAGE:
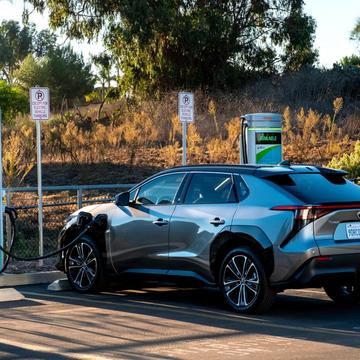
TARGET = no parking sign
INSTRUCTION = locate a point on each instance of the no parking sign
(186, 107)
(39, 103)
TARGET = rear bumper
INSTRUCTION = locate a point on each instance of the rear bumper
(320, 271)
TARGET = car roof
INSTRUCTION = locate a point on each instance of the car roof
(256, 170)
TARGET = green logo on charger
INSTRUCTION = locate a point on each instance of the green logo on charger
(268, 138)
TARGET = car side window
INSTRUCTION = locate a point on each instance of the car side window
(243, 190)
(206, 188)
(132, 195)
(160, 191)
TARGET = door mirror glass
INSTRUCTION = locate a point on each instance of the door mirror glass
(122, 199)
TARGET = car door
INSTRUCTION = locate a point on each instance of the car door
(139, 237)
(204, 211)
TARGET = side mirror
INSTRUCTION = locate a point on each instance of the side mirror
(122, 199)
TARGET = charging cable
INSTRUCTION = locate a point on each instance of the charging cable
(13, 216)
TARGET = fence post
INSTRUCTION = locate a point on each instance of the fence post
(79, 198)
(8, 198)
(7, 220)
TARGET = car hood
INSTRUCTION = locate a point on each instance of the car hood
(97, 209)
(110, 209)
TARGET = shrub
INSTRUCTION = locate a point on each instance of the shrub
(18, 159)
(171, 154)
(349, 162)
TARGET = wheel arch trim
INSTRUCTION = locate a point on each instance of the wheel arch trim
(236, 236)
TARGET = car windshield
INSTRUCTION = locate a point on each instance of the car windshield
(318, 188)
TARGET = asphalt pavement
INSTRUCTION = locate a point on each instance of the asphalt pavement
(174, 323)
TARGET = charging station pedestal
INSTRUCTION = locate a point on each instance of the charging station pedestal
(260, 139)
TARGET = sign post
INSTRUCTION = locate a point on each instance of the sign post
(184, 145)
(186, 115)
(1, 197)
(40, 110)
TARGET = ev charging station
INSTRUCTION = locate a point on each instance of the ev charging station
(260, 138)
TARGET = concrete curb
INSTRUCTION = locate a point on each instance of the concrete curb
(44, 277)
(10, 294)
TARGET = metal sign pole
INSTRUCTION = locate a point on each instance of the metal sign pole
(40, 110)
(186, 114)
(40, 194)
(1, 197)
(184, 128)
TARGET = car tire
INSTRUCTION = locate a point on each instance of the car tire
(84, 266)
(343, 294)
(243, 282)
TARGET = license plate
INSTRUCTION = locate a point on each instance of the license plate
(353, 231)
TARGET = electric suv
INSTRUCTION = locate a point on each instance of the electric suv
(250, 230)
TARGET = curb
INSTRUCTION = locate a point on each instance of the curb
(44, 277)
(10, 294)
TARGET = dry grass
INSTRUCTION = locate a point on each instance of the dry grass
(149, 134)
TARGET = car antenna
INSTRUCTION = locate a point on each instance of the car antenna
(285, 163)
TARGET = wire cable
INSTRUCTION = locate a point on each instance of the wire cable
(35, 258)
(11, 212)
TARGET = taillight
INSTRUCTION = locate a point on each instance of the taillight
(305, 214)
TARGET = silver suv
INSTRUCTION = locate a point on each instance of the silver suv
(252, 231)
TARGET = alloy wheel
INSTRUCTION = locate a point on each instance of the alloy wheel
(241, 281)
(82, 265)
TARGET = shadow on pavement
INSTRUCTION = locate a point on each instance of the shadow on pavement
(114, 316)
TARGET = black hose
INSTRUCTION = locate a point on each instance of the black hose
(13, 216)
(11, 212)
(71, 243)
(243, 142)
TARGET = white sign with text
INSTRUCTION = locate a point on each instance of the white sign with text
(186, 107)
(39, 103)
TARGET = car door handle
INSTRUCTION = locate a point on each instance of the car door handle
(160, 222)
(216, 221)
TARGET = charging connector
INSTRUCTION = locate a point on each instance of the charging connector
(85, 222)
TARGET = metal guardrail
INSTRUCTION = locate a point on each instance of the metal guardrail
(59, 202)
(78, 188)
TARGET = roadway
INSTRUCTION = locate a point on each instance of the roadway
(172, 323)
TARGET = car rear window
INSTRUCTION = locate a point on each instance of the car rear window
(318, 188)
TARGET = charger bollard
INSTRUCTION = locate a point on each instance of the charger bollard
(260, 139)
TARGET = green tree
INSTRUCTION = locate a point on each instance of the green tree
(190, 43)
(32, 72)
(62, 70)
(44, 43)
(104, 65)
(69, 77)
(355, 33)
(15, 45)
(299, 31)
(350, 61)
(12, 101)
